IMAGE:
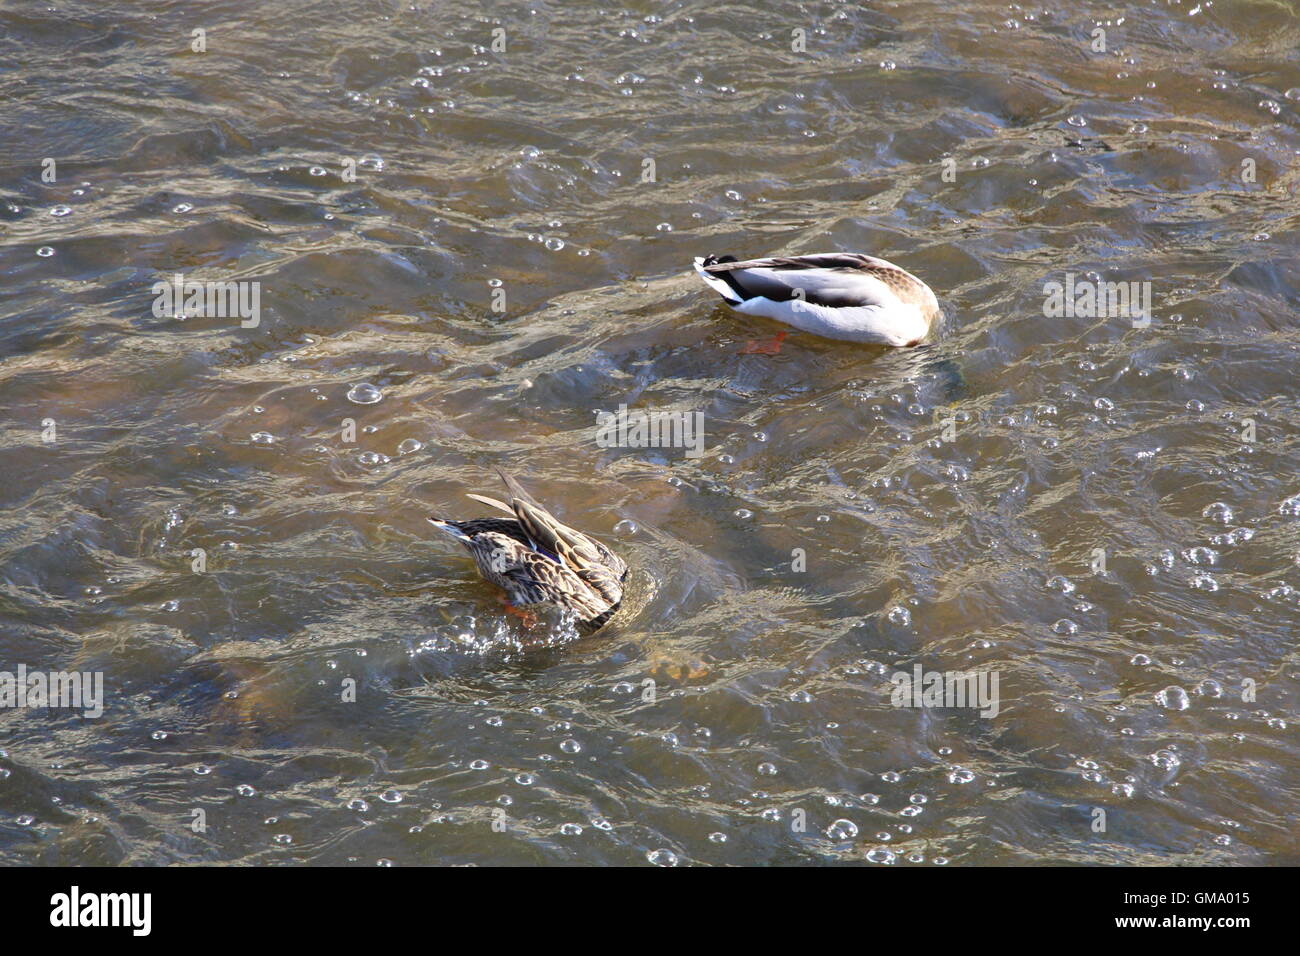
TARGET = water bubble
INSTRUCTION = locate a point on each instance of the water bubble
(662, 857)
(1280, 593)
(409, 446)
(1165, 759)
(1210, 688)
(842, 830)
(45, 251)
(262, 438)
(364, 394)
(1173, 698)
(570, 746)
(61, 211)
(1061, 583)
(1218, 512)
(900, 616)
(880, 855)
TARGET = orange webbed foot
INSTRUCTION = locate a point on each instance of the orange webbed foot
(528, 618)
(770, 346)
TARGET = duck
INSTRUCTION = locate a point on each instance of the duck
(835, 295)
(538, 560)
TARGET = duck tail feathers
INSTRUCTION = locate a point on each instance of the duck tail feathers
(516, 490)
(450, 528)
(493, 503)
(718, 282)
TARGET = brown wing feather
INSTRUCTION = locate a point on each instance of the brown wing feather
(531, 578)
(589, 559)
(515, 556)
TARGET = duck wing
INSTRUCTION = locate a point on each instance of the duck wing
(466, 531)
(532, 578)
(597, 566)
(836, 280)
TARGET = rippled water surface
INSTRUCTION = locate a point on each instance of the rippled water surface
(1106, 516)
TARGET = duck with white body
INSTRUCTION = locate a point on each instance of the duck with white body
(837, 295)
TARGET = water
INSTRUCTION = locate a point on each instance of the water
(1070, 503)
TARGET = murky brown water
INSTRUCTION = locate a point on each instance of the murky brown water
(949, 502)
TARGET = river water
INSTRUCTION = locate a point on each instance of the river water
(469, 230)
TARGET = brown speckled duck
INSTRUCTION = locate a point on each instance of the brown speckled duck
(538, 560)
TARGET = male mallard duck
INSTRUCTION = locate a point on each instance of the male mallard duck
(538, 560)
(837, 295)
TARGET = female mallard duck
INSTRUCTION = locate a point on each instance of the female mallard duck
(538, 560)
(837, 295)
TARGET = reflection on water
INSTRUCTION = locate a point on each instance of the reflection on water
(467, 243)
